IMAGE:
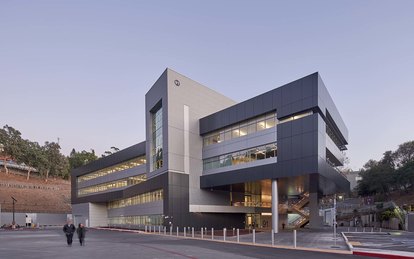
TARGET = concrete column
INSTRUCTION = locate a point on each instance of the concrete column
(315, 221)
(275, 207)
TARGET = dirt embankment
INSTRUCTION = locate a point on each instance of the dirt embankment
(34, 195)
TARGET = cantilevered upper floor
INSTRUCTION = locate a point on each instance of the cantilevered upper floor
(106, 178)
(289, 131)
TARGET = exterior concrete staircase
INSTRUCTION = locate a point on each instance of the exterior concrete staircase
(298, 208)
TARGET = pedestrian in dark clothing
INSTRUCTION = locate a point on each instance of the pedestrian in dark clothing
(81, 231)
(69, 229)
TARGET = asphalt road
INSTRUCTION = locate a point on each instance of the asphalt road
(110, 244)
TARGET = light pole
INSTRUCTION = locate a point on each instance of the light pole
(13, 222)
(334, 222)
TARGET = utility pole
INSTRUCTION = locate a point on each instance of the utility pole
(13, 222)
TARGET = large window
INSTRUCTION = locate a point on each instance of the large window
(295, 117)
(156, 150)
(113, 169)
(111, 185)
(154, 220)
(241, 157)
(241, 129)
(138, 199)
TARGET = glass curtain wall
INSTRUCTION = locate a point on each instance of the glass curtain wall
(156, 152)
(241, 157)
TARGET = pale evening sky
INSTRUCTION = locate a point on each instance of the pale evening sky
(79, 70)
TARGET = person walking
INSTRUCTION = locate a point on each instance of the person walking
(69, 229)
(81, 231)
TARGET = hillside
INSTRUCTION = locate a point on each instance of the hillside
(34, 195)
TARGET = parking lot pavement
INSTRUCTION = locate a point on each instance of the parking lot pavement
(112, 244)
(385, 241)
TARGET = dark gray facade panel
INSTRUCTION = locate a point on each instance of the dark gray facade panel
(176, 202)
(116, 158)
(119, 157)
(156, 96)
(248, 111)
(98, 198)
(134, 171)
(153, 184)
(340, 181)
(237, 176)
(149, 208)
(159, 182)
(291, 168)
(326, 103)
(295, 97)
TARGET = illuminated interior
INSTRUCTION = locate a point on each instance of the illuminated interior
(138, 199)
(241, 157)
(113, 169)
(241, 129)
(111, 185)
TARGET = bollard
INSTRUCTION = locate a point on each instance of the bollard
(165, 231)
(192, 232)
(372, 230)
(212, 233)
(348, 229)
(380, 229)
(254, 236)
(273, 238)
(233, 231)
(170, 231)
(202, 230)
(363, 229)
(145, 228)
(177, 231)
(294, 238)
(224, 234)
(185, 231)
(356, 229)
(238, 236)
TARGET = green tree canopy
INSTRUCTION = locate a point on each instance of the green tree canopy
(395, 171)
(77, 159)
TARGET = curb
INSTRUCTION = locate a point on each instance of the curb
(381, 255)
(372, 253)
(320, 250)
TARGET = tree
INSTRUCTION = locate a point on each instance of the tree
(376, 177)
(405, 176)
(77, 159)
(404, 153)
(110, 152)
(55, 163)
(31, 156)
(12, 144)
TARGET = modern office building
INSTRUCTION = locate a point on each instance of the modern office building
(208, 161)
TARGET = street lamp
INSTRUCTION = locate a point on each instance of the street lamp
(13, 222)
